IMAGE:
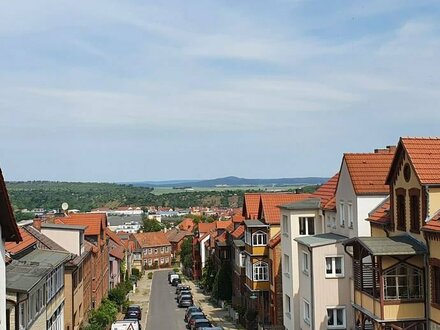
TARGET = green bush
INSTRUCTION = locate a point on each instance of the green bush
(150, 275)
(103, 316)
(136, 272)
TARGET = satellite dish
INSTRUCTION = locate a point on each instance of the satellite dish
(65, 206)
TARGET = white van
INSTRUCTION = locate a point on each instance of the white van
(173, 276)
(126, 325)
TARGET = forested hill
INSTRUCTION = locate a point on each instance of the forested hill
(87, 196)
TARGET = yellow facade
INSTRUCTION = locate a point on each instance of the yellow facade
(257, 250)
(274, 229)
(434, 200)
(258, 285)
(404, 311)
(377, 232)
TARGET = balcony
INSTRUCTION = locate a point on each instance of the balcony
(257, 285)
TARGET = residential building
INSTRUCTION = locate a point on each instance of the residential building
(124, 223)
(176, 236)
(9, 232)
(155, 249)
(95, 234)
(200, 251)
(117, 258)
(276, 285)
(35, 291)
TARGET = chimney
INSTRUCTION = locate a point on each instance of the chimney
(37, 223)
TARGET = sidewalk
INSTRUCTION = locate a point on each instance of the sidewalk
(216, 315)
(142, 296)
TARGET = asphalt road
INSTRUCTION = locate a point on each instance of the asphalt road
(163, 313)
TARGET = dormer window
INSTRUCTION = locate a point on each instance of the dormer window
(259, 238)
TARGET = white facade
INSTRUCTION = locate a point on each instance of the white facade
(289, 247)
(128, 227)
(203, 250)
(2, 284)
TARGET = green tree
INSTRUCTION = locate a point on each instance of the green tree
(186, 253)
(222, 286)
(208, 274)
(151, 225)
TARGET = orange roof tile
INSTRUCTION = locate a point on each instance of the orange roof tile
(152, 239)
(117, 252)
(222, 224)
(238, 215)
(94, 221)
(327, 192)
(205, 227)
(251, 203)
(238, 232)
(115, 238)
(424, 154)
(27, 241)
(433, 223)
(381, 214)
(187, 224)
(368, 171)
(274, 241)
(221, 238)
(269, 205)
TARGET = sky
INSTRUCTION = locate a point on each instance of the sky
(115, 91)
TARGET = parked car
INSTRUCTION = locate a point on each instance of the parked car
(193, 317)
(182, 293)
(134, 312)
(190, 310)
(201, 323)
(130, 324)
(172, 277)
(181, 287)
(169, 276)
(175, 281)
(210, 328)
(185, 301)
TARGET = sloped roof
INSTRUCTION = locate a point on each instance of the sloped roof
(433, 224)
(115, 238)
(205, 227)
(94, 221)
(117, 252)
(269, 205)
(326, 193)
(238, 232)
(221, 238)
(187, 224)
(26, 242)
(175, 235)
(238, 217)
(320, 239)
(152, 239)
(368, 171)
(381, 214)
(222, 224)
(386, 246)
(424, 154)
(251, 203)
(10, 231)
(43, 239)
(274, 241)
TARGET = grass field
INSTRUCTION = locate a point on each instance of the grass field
(168, 190)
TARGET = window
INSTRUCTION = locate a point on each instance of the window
(306, 312)
(350, 215)
(156, 251)
(248, 268)
(341, 214)
(285, 225)
(403, 282)
(286, 265)
(161, 261)
(334, 267)
(167, 260)
(400, 209)
(259, 238)
(435, 275)
(150, 262)
(336, 318)
(150, 251)
(414, 209)
(306, 226)
(247, 237)
(305, 263)
(260, 271)
(287, 305)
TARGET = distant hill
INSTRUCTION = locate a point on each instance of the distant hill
(232, 181)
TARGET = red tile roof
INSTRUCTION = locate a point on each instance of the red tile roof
(94, 222)
(27, 241)
(327, 192)
(117, 252)
(269, 205)
(222, 224)
(205, 227)
(381, 214)
(238, 215)
(433, 224)
(251, 204)
(114, 237)
(274, 241)
(175, 235)
(368, 171)
(187, 224)
(152, 239)
(424, 154)
(10, 231)
(221, 238)
(238, 232)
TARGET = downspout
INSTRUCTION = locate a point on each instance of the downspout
(425, 257)
(312, 300)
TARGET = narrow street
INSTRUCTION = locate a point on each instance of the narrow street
(163, 312)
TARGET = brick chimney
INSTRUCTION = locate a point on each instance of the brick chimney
(37, 223)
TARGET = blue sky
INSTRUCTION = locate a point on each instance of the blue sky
(154, 90)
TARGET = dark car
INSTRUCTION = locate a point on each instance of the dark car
(191, 309)
(176, 281)
(133, 312)
(201, 323)
(193, 317)
(185, 301)
(183, 293)
(181, 287)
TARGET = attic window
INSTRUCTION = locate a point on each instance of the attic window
(407, 172)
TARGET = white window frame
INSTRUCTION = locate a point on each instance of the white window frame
(285, 225)
(305, 263)
(305, 220)
(260, 237)
(288, 305)
(150, 251)
(150, 262)
(162, 260)
(350, 214)
(167, 260)
(242, 259)
(334, 310)
(260, 271)
(341, 214)
(248, 237)
(333, 274)
(286, 265)
(162, 250)
(248, 267)
(306, 314)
